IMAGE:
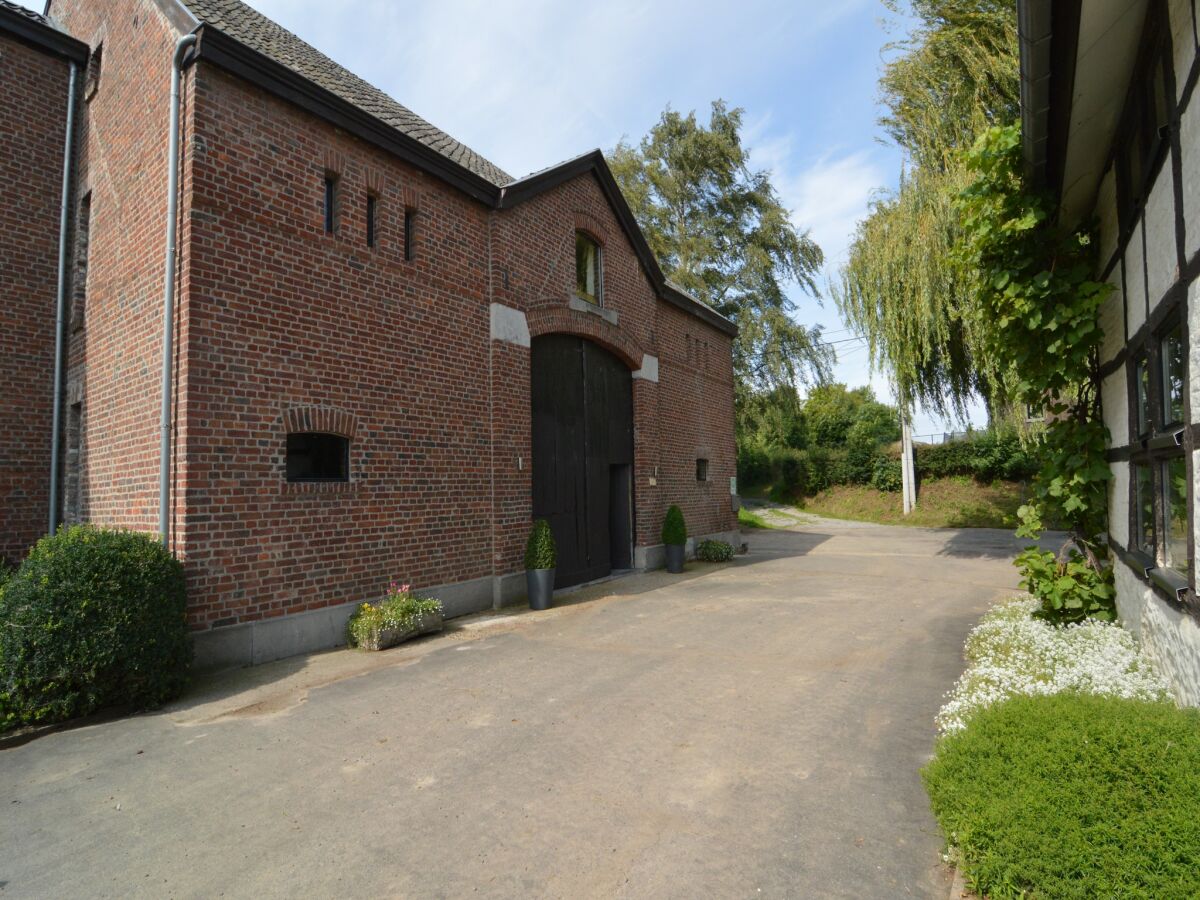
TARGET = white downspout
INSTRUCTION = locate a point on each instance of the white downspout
(60, 318)
(164, 462)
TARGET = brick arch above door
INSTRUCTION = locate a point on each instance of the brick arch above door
(564, 320)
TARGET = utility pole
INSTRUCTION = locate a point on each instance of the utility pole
(908, 471)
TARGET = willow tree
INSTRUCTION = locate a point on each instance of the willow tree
(953, 77)
(721, 233)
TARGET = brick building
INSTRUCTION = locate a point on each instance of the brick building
(388, 355)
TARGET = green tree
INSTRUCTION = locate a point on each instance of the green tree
(832, 411)
(953, 77)
(721, 233)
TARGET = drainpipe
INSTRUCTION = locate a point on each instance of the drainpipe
(60, 318)
(164, 462)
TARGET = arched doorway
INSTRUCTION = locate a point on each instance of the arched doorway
(582, 400)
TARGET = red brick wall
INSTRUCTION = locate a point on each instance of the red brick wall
(281, 316)
(115, 357)
(32, 133)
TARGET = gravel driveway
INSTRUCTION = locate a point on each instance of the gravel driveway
(749, 730)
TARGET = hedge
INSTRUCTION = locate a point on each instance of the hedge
(93, 618)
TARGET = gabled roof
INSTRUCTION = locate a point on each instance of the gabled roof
(40, 31)
(256, 31)
(237, 38)
(593, 163)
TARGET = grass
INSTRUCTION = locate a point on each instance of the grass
(954, 502)
(1073, 796)
(749, 519)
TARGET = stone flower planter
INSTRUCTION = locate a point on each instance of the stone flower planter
(427, 623)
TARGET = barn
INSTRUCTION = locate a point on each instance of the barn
(376, 355)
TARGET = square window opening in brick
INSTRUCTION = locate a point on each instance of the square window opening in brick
(331, 197)
(587, 268)
(316, 456)
(410, 234)
(92, 80)
(702, 469)
(372, 220)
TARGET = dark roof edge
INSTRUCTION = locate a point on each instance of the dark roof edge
(43, 36)
(1048, 34)
(531, 186)
(230, 54)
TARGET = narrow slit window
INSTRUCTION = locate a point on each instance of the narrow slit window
(410, 227)
(702, 470)
(83, 230)
(316, 456)
(330, 203)
(587, 268)
(372, 215)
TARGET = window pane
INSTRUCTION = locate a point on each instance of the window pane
(312, 456)
(1143, 498)
(1142, 377)
(587, 266)
(1175, 490)
(1172, 363)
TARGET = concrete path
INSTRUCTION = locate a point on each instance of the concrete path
(748, 730)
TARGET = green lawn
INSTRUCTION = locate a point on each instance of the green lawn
(749, 519)
(955, 502)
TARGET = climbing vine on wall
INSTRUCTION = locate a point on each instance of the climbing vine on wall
(1032, 283)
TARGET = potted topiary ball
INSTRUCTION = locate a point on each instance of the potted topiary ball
(674, 535)
(541, 555)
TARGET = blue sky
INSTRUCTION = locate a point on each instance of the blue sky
(528, 83)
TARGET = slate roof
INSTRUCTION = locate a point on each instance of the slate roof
(27, 13)
(249, 27)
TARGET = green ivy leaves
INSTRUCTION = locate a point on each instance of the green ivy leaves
(1034, 282)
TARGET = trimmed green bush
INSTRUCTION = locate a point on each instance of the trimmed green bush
(674, 531)
(714, 551)
(887, 475)
(540, 550)
(1073, 796)
(93, 618)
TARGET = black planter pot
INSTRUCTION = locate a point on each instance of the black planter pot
(541, 587)
(675, 554)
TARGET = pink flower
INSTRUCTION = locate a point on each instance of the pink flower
(404, 588)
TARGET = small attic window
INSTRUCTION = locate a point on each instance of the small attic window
(95, 61)
(587, 268)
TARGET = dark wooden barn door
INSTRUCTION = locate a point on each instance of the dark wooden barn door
(582, 398)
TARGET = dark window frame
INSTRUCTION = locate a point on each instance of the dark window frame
(372, 214)
(1142, 142)
(330, 198)
(1159, 444)
(410, 233)
(702, 469)
(597, 297)
(336, 453)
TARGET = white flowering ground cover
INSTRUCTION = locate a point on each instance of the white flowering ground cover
(1010, 653)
